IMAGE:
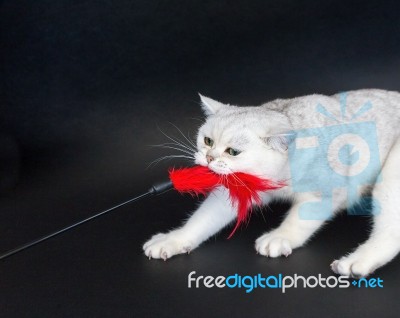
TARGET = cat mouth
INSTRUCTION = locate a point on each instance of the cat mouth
(219, 168)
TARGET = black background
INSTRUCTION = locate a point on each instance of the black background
(87, 86)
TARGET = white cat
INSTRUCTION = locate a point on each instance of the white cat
(255, 140)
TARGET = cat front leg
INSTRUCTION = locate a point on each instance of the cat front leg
(213, 214)
(381, 247)
(292, 233)
(384, 242)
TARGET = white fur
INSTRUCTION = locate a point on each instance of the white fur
(261, 136)
(200, 226)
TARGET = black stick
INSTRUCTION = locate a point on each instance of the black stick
(155, 189)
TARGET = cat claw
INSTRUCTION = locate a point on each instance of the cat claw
(334, 266)
(258, 252)
(267, 251)
(164, 246)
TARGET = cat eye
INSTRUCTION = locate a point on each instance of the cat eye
(208, 141)
(232, 152)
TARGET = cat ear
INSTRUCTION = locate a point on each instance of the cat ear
(209, 105)
(279, 142)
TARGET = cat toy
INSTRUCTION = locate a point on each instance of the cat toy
(243, 191)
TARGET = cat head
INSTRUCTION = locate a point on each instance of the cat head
(243, 139)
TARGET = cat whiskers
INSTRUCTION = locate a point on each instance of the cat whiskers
(239, 181)
(178, 142)
(175, 147)
(243, 184)
(186, 148)
(191, 143)
(189, 146)
(258, 207)
(156, 161)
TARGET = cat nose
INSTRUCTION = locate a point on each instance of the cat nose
(209, 158)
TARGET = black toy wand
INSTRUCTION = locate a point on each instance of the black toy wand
(243, 191)
(155, 189)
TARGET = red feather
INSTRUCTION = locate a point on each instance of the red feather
(243, 188)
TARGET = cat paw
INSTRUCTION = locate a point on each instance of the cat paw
(354, 265)
(164, 246)
(273, 245)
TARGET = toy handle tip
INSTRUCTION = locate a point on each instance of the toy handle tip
(161, 187)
